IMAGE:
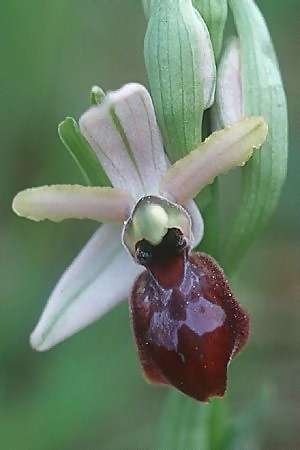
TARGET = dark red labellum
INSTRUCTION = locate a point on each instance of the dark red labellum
(187, 323)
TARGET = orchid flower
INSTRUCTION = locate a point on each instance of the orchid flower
(186, 320)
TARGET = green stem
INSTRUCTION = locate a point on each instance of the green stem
(182, 424)
(189, 425)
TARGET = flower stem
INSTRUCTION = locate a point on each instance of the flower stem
(181, 424)
(187, 424)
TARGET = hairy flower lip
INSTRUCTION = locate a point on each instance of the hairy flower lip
(189, 332)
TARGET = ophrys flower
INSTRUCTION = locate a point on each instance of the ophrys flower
(187, 323)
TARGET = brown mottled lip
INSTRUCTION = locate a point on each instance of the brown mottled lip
(187, 333)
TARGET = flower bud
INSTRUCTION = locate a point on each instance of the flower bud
(181, 70)
(214, 13)
(96, 95)
(228, 107)
(255, 89)
(147, 7)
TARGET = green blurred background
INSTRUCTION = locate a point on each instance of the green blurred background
(88, 393)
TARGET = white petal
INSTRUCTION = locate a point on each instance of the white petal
(220, 152)
(124, 134)
(229, 99)
(99, 278)
(59, 202)
(197, 222)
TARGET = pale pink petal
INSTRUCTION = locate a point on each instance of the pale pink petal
(124, 134)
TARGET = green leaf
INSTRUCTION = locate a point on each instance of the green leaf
(82, 153)
(214, 13)
(263, 94)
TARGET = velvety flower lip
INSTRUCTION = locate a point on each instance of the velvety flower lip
(189, 332)
(124, 134)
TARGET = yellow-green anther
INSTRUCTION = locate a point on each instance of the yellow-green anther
(263, 94)
(151, 221)
(97, 95)
(181, 70)
(214, 13)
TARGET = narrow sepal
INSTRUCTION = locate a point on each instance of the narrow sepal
(60, 202)
(219, 153)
